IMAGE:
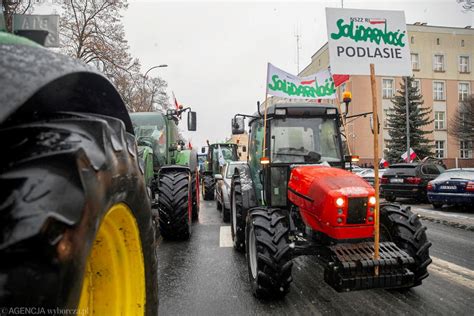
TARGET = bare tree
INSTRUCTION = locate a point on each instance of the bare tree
(462, 124)
(11, 7)
(467, 5)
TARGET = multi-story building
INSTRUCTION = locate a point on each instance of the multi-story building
(242, 142)
(442, 62)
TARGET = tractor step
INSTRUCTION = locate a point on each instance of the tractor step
(353, 267)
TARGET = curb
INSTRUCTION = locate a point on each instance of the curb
(447, 222)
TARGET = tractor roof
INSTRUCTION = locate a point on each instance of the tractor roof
(299, 108)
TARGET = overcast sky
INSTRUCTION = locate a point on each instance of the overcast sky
(217, 51)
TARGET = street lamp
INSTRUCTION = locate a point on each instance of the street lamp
(159, 66)
(145, 78)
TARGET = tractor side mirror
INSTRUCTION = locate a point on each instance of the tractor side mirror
(244, 148)
(238, 126)
(192, 121)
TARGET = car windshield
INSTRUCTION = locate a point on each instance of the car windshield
(304, 140)
(456, 174)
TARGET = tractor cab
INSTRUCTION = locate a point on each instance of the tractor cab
(297, 134)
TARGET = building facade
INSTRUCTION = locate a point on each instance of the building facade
(442, 61)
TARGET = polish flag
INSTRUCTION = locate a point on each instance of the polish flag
(384, 163)
(175, 102)
(377, 21)
(412, 155)
(340, 79)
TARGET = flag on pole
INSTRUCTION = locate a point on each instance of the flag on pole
(175, 101)
(220, 156)
(383, 163)
(412, 155)
(340, 79)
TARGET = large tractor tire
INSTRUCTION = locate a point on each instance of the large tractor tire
(175, 204)
(268, 254)
(195, 196)
(208, 187)
(75, 219)
(401, 226)
(242, 198)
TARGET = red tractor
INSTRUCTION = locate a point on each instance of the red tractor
(299, 200)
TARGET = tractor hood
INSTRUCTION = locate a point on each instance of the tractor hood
(330, 199)
(316, 182)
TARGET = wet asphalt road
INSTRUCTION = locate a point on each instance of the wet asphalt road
(198, 277)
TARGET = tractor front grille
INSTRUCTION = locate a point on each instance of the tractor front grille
(357, 210)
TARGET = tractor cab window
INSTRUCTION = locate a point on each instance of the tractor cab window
(304, 140)
(150, 130)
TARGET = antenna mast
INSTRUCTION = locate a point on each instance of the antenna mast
(298, 47)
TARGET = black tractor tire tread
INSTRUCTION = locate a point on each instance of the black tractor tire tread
(173, 190)
(238, 237)
(274, 258)
(409, 234)
(66, 170)
(209, 186)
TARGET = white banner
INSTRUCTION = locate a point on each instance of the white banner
(358, 38)
(285, 85)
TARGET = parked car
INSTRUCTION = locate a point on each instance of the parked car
(222, 193)
(369, 175)
(455, 186)
(409, 180)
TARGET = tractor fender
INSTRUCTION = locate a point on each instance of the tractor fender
(36, 81)
(170, 168)
(188, 158)
(246, 186)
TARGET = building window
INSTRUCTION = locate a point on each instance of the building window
(464, 150)
(387, 88)
(438, 62)
(437, 41)
(463, 90)
(439, 145)
(438, 91)
(412, 40)
(464, 64)
(462, 43)
(416, 84)
(415, 62)
(439, 120)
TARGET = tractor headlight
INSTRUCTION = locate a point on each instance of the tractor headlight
(372, 200)
(339, 202)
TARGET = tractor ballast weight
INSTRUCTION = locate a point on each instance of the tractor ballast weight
(301, 201)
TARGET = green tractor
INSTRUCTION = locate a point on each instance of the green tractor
(217, 155)
(171, 169)
(76, 228)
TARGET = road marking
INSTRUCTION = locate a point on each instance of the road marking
(225, 237)
(453, 272)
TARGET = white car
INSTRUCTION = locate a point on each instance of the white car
(223, 182)
(368, 175)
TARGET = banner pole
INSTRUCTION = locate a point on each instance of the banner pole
(265, 127)
(376, 166)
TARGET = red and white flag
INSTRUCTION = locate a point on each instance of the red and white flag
(412, 155)
(384, 163)
(175, 101)
(340, 79)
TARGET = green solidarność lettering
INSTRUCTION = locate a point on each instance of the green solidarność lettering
(364, 34)
(306, 91)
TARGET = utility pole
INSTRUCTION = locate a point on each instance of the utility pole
(298, 47)
(407, 119)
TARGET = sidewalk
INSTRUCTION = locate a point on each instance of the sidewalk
(454, 219)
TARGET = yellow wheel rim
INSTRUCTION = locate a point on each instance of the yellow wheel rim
(114, 280)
